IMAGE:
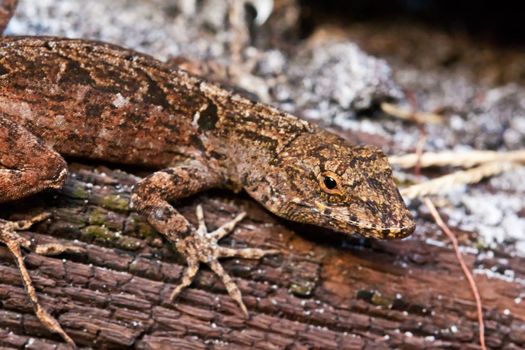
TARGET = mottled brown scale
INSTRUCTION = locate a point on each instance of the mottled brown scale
(61, 97)
(95, 102)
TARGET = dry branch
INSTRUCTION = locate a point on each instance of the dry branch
(409, 114)
(466, 271)
(444, 183)
(464, 160)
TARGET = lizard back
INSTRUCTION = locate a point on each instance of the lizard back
(100, 101)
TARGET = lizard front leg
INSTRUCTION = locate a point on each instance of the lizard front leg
(151, 197)
(27, 167)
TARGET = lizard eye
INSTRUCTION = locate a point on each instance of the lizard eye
(330, 183)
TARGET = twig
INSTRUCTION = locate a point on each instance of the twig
(419, 160)
(466, 271)
(440, 184)
(410, 115)
(465, 160)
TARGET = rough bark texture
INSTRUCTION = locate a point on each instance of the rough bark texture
(324, 291)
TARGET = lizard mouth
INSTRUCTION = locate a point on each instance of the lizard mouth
(398, 225)
(395, 225)
(392, 232)
(380, 217)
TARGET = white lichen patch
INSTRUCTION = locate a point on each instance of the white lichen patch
(336, 79)
(495, 215)
(120, 101)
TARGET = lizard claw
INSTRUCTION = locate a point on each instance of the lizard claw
(14, 241)
(202, 247)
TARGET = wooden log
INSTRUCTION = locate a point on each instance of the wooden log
(325, 291)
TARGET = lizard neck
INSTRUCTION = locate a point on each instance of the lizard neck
(246, 137)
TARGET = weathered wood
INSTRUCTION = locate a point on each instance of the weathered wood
(324, 290)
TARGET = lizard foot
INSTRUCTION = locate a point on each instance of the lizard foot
(14, 241)
(203, 247)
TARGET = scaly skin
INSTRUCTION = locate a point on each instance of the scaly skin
(62, 97)
(94, 100)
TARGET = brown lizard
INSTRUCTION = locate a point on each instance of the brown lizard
(62, 97)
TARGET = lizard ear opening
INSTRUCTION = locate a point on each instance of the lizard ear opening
(330, 183)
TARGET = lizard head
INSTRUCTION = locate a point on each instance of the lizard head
(320, 179)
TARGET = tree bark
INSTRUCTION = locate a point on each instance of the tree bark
(324, 291)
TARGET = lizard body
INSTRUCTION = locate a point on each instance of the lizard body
(64, 97)
(99, 101)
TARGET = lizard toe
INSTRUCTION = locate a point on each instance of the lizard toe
(14, 241)
(202, 247)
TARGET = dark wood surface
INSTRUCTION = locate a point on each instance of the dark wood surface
(324, 291)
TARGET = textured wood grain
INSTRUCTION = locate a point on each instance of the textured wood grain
(325, 291)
